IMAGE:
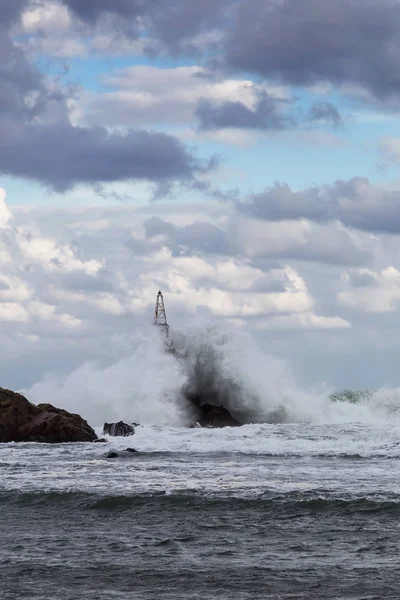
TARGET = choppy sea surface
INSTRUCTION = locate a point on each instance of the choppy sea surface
(260, 511)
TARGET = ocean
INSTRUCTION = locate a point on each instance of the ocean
(303, 501)
(261, 511)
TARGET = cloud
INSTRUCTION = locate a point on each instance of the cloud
(5, 214)
(313, 41)
(357, 203)
(78, 283)
(47, 18)
(185, 94)
(101, 276)
(92, 155)
(346, 43)
(266, 115)
(372, 291)
(258, 238)
(306, 320)
(149, 94)
(49, 29)
(177, 24)
(325, 112)
(11, 9)
(38, 140)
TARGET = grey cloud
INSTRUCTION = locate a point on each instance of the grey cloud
(279, 202)
(308, 41)
(265, 115)
(357, 279)
(61, 155)
(92, 9)
(10, 9)
(269, 114)
(301, 42)
(172, 22)
(38, 141)
(249, 239)
(21, 86)
(81, 282)
(197, 237)
(325, 111)
(356, 203)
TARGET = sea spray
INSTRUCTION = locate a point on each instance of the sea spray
(220, 365)
(143, 386)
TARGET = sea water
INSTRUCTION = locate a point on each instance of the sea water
(301, 502)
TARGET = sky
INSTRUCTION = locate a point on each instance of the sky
(241, 155)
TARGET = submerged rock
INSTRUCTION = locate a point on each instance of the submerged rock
(111, 455)
(118, 429)
(22, 421)
(130, 450)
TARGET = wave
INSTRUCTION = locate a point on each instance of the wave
(291, 503)
(222, 366)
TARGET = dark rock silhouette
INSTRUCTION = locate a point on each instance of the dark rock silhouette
(130, 450)
(210, 415)
(216, 416)
(118, 429)
(22, 421)
(111, 455)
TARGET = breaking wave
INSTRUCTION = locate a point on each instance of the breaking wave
(215, 362)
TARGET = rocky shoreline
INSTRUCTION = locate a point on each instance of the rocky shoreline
(22, 421)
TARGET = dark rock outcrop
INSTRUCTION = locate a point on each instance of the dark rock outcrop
(22, 421)
(118, 429)
(216, 416)
(210, 415)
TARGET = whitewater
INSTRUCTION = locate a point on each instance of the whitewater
(302, 501)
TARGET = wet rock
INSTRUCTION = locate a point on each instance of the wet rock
(209, 414)
(101, 441)
(118, 429)
(130, 450)
(111, 455)
(216, 416)
(22, 421)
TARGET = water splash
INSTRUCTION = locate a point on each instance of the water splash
(219, 364)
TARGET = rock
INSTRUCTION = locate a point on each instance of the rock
(118, 429)
(208, 413)
(101, 441)
(22, 421)
(130, 450)
(111, 455)
(216, 416)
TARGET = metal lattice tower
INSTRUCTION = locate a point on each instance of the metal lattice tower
(160, 316)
